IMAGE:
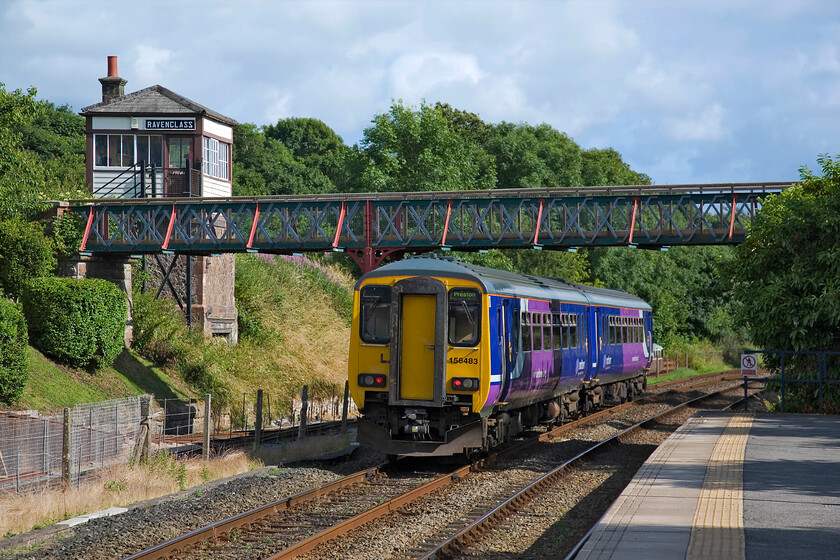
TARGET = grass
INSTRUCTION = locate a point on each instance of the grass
(679, 374)
(116, 486)
(52, 386)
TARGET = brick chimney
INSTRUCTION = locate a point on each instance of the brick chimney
(112, 85)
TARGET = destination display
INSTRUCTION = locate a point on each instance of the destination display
(170, 124)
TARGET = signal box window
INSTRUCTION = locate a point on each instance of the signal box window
(464, 317)
(375, 314)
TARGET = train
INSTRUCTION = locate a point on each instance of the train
(450, 358)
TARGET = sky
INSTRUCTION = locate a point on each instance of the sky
(686, 92)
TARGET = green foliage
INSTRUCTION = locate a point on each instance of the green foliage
(264, 166)
(318, 147)
(410, 149)
(162, 336)
(67, 233)
(79, 322)
(20, 177)
(534, 157)
(787, 277)
(606, 168)
(13, 357)
(25, 252)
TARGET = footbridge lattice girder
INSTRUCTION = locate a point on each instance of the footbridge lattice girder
(371, 226)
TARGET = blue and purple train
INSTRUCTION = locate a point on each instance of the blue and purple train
(448, 357)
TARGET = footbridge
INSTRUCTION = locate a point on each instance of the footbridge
(373, 226)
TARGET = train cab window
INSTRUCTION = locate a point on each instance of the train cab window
(464, 316)
(556, 328)
(375, 312)
(526, 331)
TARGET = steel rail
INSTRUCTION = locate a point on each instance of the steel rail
(180, 544)
(310, 543)
(455, 544)
(223, 528)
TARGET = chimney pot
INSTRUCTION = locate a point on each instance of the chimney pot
(112, 66)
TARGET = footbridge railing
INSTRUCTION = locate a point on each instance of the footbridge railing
(371, 226)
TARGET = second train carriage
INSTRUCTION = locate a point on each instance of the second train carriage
(448, 357)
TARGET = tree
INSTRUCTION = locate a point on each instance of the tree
(317, 146)
(534, 157)
(787, 279)
(264, 166)
(787, 275)
(410, 149)
(606, 168)
(20, 170)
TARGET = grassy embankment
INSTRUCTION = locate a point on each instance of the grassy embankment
(294, 316)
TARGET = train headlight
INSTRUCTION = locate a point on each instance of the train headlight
(372, 380)
(465, 383)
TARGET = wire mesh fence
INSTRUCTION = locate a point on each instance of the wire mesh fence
(37, 450)
(35, 453)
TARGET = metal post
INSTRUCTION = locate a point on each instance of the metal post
(822, 378)
(346, 408)
(46, 451)
(205, 446)
(268, 405)
(304, 403)
(65, 449)
(784, 406)
(142, 179)
(258, 424)
(189, 291)
(17, 474)
(116, 428)
(154, 182)
(244, 419)
(745, 394)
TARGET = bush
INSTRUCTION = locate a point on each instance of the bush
(78, 322)
(25, 253)
(13, 341)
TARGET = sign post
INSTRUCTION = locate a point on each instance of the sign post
(749, 368)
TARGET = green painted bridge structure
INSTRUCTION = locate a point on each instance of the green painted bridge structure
(374, 226)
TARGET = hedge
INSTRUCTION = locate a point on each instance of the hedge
(79, 322)
(25, 252)
(13, 341)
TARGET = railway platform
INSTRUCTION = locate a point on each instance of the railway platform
(731, 486)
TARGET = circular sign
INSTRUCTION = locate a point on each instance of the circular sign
(748, 361)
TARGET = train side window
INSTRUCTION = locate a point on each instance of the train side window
(612, 330)
(638, 332)
(526, 331)
(375, 312)
(573, 329)
(536, 321)
(625, 328)
(464, 316)
(556, 328)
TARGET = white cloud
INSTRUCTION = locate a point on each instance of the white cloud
(415, 75)
(279, 104)
(153, 65)
(707, 125)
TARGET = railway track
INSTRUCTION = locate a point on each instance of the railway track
(371, 503)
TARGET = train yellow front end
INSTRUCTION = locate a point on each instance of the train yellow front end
(419, 363)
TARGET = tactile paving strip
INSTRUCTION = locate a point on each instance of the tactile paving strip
(718, 529)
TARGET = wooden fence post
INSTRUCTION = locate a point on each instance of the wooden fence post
(205, 446)
(65, 449)
(304, 403)
(258, 423)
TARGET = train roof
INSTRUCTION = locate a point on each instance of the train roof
(502, 282)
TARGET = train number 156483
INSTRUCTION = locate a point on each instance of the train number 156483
(454, 360)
